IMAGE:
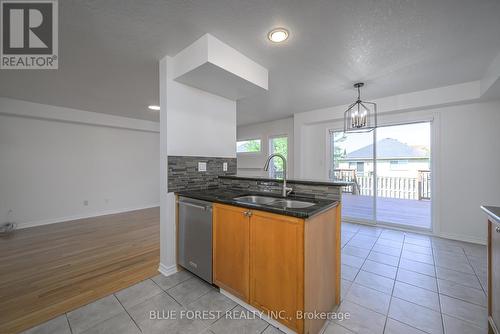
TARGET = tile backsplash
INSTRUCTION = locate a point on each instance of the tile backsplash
(183, 172)
(299, 189)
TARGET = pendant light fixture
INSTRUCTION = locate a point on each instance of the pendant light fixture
(361, 116)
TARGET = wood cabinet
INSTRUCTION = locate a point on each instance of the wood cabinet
(281, 265)
(494, 276)
(321, 266)
(277, 266)
(231, 237)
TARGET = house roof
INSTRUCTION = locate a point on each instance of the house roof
(388, 148)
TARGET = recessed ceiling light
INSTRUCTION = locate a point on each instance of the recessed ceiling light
(156, 108)
(278, 35)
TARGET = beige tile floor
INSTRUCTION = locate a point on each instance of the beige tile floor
(392, 282)
(397, 282)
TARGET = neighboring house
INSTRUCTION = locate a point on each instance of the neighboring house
(394, 158)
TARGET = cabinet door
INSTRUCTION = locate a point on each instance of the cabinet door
(277, 267)
(231, 249)
(494, 263)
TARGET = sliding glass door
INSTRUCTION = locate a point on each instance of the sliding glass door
(390, 174)
(358, 201)
(404, 175)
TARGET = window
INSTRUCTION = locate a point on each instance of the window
(358, 166)
(248, 146)
(277, 145)
(387, 192)
(399, 164)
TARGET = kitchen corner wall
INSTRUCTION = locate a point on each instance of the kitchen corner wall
(198, 122)
(193, 123)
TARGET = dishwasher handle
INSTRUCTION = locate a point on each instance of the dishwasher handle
(202, 207)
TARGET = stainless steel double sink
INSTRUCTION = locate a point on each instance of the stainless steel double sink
(274, 201)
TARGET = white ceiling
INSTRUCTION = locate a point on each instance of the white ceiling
(109, 50)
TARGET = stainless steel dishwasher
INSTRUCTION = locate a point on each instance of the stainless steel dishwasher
(195, 237)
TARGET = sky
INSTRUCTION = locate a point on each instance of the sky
(411, 134)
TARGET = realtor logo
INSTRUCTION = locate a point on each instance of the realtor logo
(29, 34)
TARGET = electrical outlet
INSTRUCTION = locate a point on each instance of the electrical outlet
(224, 166)
(86, 203)
(202, 166)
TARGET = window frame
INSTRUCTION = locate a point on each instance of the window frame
(246, 140)
(270, 146)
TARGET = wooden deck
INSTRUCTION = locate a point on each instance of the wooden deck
(409, 212)
(49, 270)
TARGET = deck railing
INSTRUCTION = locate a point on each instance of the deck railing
(424, 184)
(348, 175)
(387, 186)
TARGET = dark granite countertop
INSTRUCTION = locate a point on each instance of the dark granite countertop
(226, 196)
(296, 181)
(492, 211)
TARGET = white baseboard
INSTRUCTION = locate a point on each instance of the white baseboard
(76, 217)
(264, 317)
(450, 236)
(167, 270)
(462, 238)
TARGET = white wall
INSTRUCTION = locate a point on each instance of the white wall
(193, 123)
(465, 159)
(208, 49)
(305, 122)
(469, 168)
(251, 164)
(48, 168)
(198, 123)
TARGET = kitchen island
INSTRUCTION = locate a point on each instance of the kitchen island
(274, 257)
(231, 197)
(493, 213)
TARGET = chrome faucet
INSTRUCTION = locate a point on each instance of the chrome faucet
(286, 190)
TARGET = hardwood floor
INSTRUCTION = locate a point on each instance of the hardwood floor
(48, 270)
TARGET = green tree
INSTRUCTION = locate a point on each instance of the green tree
(279, 145)
(250, 146)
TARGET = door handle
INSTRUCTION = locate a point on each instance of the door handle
(193, 205)
(497, 229)
(247, 213)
